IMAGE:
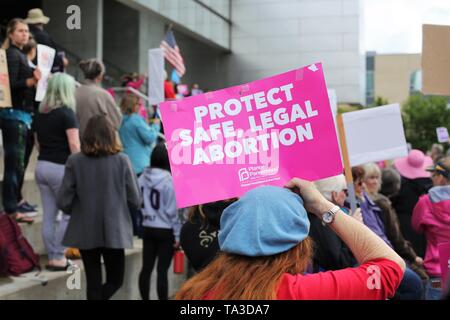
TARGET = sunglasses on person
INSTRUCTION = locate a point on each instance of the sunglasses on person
(359, 182)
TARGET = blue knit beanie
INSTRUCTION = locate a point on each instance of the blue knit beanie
(265, 221)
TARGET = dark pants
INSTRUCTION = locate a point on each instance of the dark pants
(136, 218)
(115, 267)
(158, 243)
(29, 145)
(14, 136)
(417, 240)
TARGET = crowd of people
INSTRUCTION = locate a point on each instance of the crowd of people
(104, 177)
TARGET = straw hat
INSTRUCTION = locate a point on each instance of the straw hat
(36, 16)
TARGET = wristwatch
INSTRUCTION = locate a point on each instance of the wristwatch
(328, 217)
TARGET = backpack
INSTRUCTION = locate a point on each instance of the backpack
(16, 254)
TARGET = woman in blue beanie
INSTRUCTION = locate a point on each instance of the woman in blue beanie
(266, 250)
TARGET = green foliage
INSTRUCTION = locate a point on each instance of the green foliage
(380, 101)
(421, 116)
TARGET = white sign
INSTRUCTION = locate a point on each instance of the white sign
(45, 57)
(155, 76)
(375, 134)
(333, 102)
(442, 134)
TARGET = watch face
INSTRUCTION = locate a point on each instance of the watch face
(327, 217)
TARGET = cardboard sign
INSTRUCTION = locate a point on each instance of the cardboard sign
(444, 258)
(375, 134)
(436, 59)
(442, 134)
(45, 57)
(5, 92)
(224, 143)
(155, 76)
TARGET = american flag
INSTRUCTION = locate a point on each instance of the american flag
(172, 53)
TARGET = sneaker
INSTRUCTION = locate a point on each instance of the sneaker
(26, 209)
(25, 204)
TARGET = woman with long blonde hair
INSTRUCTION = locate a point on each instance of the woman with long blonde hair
(266, 251)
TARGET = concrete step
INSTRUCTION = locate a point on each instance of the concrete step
(26, 287)
(33, 234)
(30, 190)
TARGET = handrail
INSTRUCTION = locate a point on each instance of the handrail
(138, 93)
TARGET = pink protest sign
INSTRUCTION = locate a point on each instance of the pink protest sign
(444, 258)
(224, 143)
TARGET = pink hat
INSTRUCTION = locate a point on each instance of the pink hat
(413, 166)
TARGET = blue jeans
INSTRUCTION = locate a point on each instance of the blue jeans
(411, 286)
(433, 293)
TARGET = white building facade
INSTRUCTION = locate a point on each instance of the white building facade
(223, 42)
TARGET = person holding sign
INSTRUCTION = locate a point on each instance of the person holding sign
(37, 20)
(16, 121)
(331, 252)
(267, 260)
(30, 50)
(411, 287)
(431, 216)
(373, 181)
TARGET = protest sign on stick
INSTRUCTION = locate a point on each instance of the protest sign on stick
(5, 92)
(436, 59)
(442, 135)
(375, 134)
(45, 57)
(370, 135)
(224, 143)
(155, 76)
(347, 166)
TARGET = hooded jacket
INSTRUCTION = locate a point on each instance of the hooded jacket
(160, 207)
(432, 217)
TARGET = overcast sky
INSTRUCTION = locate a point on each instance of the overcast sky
(395, 26)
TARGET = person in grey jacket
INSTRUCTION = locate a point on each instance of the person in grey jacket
(161, 223)
(97, 190)
(92, 99)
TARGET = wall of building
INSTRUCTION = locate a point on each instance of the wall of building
(267, 37)
(274, 36)
(192, 18)
(120, 37)
(392, 75)
(205, 65)
(84, 42)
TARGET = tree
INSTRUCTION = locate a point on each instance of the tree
(421, 116)
(380, 101)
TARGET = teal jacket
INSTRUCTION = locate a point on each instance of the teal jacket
(138, 139)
